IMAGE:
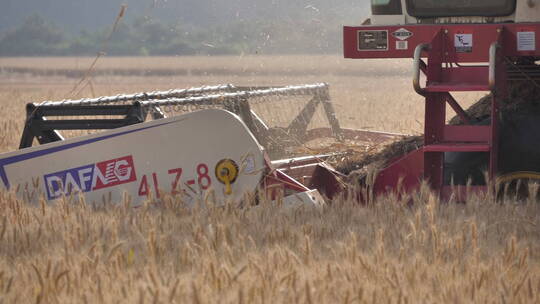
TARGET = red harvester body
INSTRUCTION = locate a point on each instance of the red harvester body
(460, 57)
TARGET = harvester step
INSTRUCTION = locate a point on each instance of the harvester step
(458, 147)
(456, 87)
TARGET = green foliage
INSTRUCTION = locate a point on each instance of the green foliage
(35, 36)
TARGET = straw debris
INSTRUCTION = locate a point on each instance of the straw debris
(524, 99)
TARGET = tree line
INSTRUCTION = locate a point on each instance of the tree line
(144, 36)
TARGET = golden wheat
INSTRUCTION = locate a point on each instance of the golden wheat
(385, 252)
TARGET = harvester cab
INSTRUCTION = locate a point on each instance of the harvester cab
(460, 46)
(395, 12)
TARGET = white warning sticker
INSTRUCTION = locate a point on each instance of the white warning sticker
(463, 42)
(248, 165)
(526, 41)
(402, 45)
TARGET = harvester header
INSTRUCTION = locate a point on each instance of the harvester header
(205, 144)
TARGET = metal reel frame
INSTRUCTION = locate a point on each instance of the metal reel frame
(135, 108)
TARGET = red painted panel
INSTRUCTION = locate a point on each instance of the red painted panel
(454, 147)
(405, 172)
(482, 37)
(456, 87)
(466, 133)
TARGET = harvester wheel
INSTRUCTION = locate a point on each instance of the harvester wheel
(519, 185)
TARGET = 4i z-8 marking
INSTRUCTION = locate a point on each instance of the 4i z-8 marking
(150, 182)
(116, 172)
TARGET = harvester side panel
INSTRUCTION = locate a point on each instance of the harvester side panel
(471, 42)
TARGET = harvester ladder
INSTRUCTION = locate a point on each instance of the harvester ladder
(444, 74)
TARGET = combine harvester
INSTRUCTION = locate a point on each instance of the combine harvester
(475, 45)
(215, 154)
(225, 151)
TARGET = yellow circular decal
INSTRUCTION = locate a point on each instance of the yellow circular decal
(226, 173)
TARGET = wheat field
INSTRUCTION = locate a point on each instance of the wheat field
(409, 250)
